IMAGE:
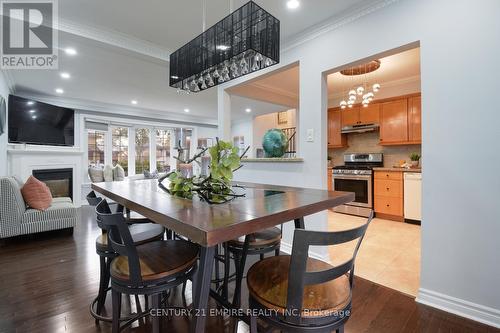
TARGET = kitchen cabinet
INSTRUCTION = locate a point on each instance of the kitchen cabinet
(335, 138)
(359, 115)
(369, 114)
(394, 122)
(350, 116)
(388, 195)
(415, 120)
(330, 179)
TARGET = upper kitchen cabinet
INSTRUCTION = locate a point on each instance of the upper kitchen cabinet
(335, 138)
(359, 115)
(369, 114)
(394, 122)
(350, 116)
(415, 120)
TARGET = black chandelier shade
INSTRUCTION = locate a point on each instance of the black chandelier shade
(243, 42)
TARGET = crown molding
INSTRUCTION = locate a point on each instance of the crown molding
(388, 84)
(336, 22)
(122, 110)
(275, 90)
(115, 38)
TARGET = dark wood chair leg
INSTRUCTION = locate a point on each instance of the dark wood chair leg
(101, 296)
(184, 302)
(117, 304)
(262, 256)
(277, 252)
(156, 299)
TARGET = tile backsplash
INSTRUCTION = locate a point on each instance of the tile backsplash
(369, 143)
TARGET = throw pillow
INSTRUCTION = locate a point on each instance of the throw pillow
(36, 194)
(147, 174)
(151, 175)
(96, 174)
(118, 173)
(108, 173)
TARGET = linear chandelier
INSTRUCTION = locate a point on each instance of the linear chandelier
(245, 41)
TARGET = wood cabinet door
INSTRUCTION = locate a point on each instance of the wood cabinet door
(350, 116)
(369, 114)
(415, 119)
(335, 137)
(394, 122)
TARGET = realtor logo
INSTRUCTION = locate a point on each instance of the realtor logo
(29, 34)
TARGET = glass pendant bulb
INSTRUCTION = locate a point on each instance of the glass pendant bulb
(350, 102)
(203, 85)
(209, 80)
(258, 57)
(244, 66)
(216, 74)
(234, 69)
(376, 87)
(352, 92)
(352, 98)
(360, 90)
(255, 66)
(268, 62)
(343, 103)
(350, 106)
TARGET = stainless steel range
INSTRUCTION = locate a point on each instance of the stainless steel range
(356, 175)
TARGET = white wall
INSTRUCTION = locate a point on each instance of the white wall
(459, 64)
(4, 92)
(244, 127)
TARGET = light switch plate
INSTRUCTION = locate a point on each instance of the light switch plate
(310, 135)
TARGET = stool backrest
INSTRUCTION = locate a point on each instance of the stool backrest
(298, 274)
(93, 199)
(120, 239)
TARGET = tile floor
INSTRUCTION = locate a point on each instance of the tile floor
(389, 254)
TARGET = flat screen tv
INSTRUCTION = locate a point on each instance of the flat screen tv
(39, 123)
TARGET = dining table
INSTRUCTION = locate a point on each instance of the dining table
(259, 207)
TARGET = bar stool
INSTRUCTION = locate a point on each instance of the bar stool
(305, 294)
(259, 243)
(141, 233)
(148, 269)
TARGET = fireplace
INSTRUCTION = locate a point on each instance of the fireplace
(59, 181)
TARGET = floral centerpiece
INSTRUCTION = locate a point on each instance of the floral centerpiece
(214, 187)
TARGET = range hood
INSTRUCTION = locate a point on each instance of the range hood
(360, 128)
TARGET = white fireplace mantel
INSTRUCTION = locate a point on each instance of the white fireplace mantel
(23, 160)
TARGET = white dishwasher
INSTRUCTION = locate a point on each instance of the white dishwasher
(413, 196)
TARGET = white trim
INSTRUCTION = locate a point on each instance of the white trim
(115, 38)
(335, 22)
(460, 307)
(287, 248)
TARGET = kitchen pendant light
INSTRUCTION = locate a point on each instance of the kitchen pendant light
(245, 41)
(363, 88)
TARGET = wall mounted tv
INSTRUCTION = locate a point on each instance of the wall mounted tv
(39, 123)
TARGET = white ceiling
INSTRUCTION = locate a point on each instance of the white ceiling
(114, 38)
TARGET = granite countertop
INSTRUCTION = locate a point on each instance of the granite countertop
(399, 169)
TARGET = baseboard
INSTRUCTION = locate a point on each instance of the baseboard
(460, 307)
(287, 248)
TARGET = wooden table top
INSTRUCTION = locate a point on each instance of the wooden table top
(262, 207)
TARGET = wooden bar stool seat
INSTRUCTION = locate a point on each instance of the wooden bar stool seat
(157, 260)
(268, 285)
(260, 239)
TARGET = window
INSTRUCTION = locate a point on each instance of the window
(120, 147)
(141, 150)
(96, 140)
(163, 150)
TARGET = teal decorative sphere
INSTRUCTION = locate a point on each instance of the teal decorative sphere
(275, 143)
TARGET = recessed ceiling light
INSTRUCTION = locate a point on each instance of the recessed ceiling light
(70, 51)
(65, 75)
(248, 110)
(30, 103)
(134, 102)
(33, 117)
(293, 4)
(186, 110)
(32, 111)
(59, 91)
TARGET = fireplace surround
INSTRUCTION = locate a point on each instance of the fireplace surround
(59, 181)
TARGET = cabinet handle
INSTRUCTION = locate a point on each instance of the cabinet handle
(387, 189)
(387, 205)
(387, 175)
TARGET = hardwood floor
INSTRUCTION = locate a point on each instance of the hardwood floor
(48, 281)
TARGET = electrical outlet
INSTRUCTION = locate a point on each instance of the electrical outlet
(310, 135)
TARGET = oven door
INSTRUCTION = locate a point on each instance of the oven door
(361, 185)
